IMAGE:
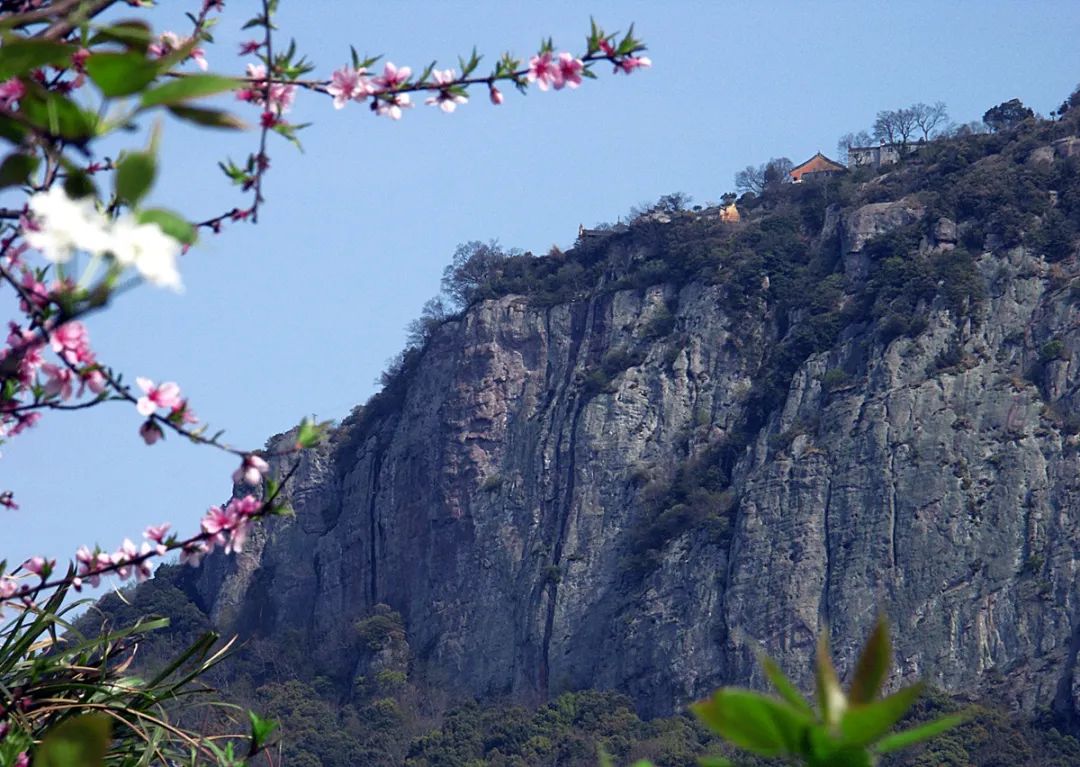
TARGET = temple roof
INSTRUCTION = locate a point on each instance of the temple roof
(819, 163)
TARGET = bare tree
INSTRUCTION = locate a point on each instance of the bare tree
(848, 140)
(674, 202)
(435, 313)
(929, 119)
(750, 179)
(763, 177)
(776, 171)
(895, 126)
(475, 264)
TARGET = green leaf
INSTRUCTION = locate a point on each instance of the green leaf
(783, 685)
(261, 730)
(16, 168)
(873, 666)
(866, 723)
(830, 697)
(19, 57)
(131, 33)
(78, 742)
(753, 721)
(309, 434)
(121, 74)
(171, 223)
(187, 88)
(210, 118)
(715, 761)
(135, 173)
(78, 184)
(918, 734)
(58, 115)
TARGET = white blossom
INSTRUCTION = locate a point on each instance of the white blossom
(146, 247)
(62, 226)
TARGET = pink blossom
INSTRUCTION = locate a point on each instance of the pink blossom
(252, 470)
(348, 84)
(28, 344)
(249, 47)
(24, 421)
(569, 71)
(34, 291)
(157, 535)
(193, 553)
(72, 342)
(150, 431)
(144, 568)
(446, 99)
(39, 566)
(247, 506)
(93, 379)
(495, 95)
(228, 527)
(59, 381)
(122, 556)
(10, 91)
(391, 106)
(7, 500)
(22, 760)
(630, 63)
(8, 587)
(281, 95)
(165, 396)
(216, 522)
(91, 564)
(393, 77)
(544, 72)
(168, 42)
(607, 47)
(78, 59)
(182, 414)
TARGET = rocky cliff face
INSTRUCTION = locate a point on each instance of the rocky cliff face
(501, 503)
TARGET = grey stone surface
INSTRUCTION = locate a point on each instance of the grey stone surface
(493, 507)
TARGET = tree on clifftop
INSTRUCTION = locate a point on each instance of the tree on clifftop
(1007, 115)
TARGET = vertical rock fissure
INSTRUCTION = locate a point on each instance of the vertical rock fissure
(565, 501)
(556, 555)
(373, 526)
(890, 482)
(825, 609)
(1064, 706)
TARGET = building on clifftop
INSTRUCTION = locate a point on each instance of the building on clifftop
(818, 166)
(876, 156)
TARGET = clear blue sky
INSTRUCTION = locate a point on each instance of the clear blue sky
(298, 315)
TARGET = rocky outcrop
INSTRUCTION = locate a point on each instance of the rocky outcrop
(497, 505)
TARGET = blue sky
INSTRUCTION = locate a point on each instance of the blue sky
(297, 316)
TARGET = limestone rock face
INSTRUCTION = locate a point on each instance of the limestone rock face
(868, 222)
(496, 504)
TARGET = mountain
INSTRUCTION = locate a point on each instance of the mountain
(626, 466)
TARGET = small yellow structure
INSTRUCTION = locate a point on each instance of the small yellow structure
(730, 214)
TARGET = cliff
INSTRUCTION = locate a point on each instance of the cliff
(861, 398)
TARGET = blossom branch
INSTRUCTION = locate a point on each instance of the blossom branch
(226, 527)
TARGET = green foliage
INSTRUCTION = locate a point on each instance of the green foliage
(78, 701)
(847, 730)
(81, 741)
(187, 88)
(834, 378)
(570, 732)
(697, 497)
(384, 625)
(1007, 115)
